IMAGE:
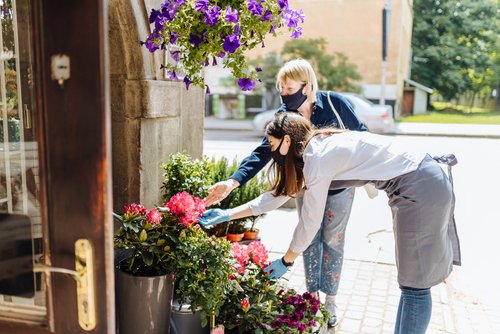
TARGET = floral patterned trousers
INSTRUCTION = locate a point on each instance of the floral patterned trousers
(323, 259)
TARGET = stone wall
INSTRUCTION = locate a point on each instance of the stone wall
(151, 117)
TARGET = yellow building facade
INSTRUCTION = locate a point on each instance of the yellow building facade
(354, 27)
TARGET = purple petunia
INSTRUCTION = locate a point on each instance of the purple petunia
(254, 7)
(231, 15)
(283, 3)
(176, 55)
(268, 15)
(212, 16)
(292, 17)
(201, 5)
(258, 69)
(172, 75)
(246, 84)
(187, 82)
(151, 46)
(237, 29)
(296, 33)
(173, 37)
(231, 43)
(221, 54)
(196, 40)
(154, 14)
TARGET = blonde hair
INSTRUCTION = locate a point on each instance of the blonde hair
(299, 70)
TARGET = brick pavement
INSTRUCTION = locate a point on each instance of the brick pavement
(369, 295)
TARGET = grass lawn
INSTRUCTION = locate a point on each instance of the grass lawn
(447, 113)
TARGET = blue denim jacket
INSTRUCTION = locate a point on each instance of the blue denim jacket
(322, 116)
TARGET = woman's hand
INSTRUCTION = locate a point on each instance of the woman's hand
(213, 217)
(219, 191)
(276, 269)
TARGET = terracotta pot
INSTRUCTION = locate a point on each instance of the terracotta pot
(252, 235)
(234, 237)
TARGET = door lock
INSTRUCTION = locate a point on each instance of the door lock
(85, 284)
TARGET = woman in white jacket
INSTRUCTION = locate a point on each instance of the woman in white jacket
(420, 196)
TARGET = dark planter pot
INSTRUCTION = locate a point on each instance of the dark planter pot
(143, 303)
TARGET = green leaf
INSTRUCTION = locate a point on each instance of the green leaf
(143, 236)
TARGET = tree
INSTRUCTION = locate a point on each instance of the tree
(333, 71)
(453, 45)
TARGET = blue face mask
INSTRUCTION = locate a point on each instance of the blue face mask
(277, 156)
(294, 101)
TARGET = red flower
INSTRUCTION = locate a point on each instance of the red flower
(132, 210)
(245, 305)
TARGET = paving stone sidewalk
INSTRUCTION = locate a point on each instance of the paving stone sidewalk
(369, 295)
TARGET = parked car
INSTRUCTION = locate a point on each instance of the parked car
(377, 118)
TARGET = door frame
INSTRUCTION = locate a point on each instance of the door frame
(74, 145)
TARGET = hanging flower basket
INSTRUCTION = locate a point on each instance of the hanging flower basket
(197, 32)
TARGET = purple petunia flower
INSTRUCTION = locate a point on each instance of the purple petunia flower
(151, 46)
(258, 69)
(176, 55)
(154, 14)
(187, 82)
(292, 17)
(231, 15)
(283, 3)
(254, 7)
(296, 33)
(246, 84)
(212, 16)
(268, 15)
(214, 61)
(272, 30)
(237, 29)
(221, 54)
(201, 5)
(231, 43)
(173, 37)
(172, 75)
(196, 40)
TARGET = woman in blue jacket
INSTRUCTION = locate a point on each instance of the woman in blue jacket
(323, 259)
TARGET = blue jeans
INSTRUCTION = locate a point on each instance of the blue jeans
(414, 311)
(323, 259)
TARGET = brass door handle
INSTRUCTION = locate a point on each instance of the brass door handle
(84, 277)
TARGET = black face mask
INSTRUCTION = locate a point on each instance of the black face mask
(294, 101)
(277, 156)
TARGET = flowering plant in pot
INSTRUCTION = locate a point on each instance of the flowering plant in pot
(167, 240)
(198, 32)
(258, 304)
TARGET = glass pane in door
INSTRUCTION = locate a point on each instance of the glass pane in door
(22, 292)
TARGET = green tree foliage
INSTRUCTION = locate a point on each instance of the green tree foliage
(333, 70)
(454, 45)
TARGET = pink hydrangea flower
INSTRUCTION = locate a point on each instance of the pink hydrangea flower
(186, 207)
(240, 253)
(258, 253)
(153, 216)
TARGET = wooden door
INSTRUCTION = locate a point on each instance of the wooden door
(55, 173)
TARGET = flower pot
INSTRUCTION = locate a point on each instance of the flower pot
(143, 303)
(234, 237)
(183, 320)
(252, 235)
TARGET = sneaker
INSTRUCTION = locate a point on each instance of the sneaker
(331, 307)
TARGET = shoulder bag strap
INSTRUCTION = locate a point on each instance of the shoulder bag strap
(341, 124)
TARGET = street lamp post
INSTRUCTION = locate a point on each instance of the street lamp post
(386, 13)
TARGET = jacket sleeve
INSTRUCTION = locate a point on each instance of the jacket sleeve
(346, 112)
(257, 160)
(252, 164)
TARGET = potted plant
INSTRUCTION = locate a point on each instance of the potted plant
(163, 241)
(198, 32)
(252, 233)
(258, 304)
(236, 230)
(143, 236)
